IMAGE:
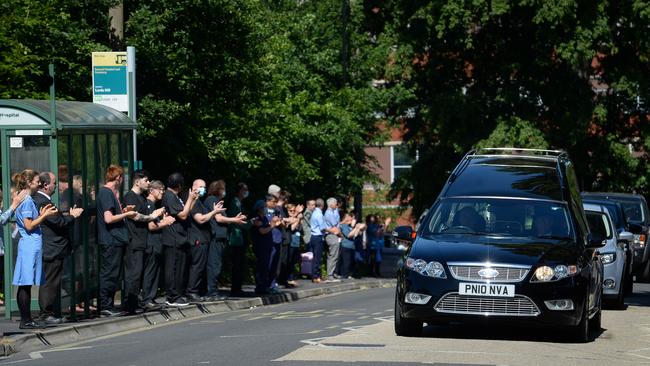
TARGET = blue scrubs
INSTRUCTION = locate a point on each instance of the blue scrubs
(29, 261)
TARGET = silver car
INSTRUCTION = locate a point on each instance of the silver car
(612, 254)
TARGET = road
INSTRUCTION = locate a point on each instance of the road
(354, 328)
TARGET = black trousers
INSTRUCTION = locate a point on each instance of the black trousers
(133, 268)
(198, 262)
(347, 262)
(262, 260)
(151, 275)
(48, 293)
(214, 264)
(238, 258)
(175, 272)
(109, 274)
(274, 263)
(285, 264)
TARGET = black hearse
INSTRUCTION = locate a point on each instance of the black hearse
(507, 239)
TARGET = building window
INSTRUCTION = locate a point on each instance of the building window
(401, 161)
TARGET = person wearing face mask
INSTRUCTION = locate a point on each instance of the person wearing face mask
(217, 193)
(201, 232)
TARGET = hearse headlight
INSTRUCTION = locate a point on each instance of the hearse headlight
(548, 274)
(608, 258)
(430, 269)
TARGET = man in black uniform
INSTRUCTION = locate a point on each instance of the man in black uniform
(153, 251)
(201, 233)
(112, 237)
(56, 246)
(138, 228)
(175, 239)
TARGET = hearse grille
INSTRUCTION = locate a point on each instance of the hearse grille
(480, 305)
(470, 272)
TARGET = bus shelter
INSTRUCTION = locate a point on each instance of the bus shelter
(83, 142)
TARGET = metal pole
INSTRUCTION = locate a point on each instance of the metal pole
(6, 179)
(52, 100)
(54, 145)
(130, 67)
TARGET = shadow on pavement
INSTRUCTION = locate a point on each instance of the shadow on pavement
(497, 331)
(641, 295)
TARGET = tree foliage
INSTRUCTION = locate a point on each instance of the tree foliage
(492, 72)
(256, 91)
(290, 92)
(260, 91)
(35, 33)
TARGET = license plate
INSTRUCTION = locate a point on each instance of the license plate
(486, 289)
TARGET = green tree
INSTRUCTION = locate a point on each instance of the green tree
(477, 66)
(36, 33)
(256, 91)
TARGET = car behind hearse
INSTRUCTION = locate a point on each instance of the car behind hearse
(507, 240)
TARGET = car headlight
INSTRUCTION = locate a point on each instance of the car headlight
(607, 258)
(639, 240)
(548, 274)
(430, 269)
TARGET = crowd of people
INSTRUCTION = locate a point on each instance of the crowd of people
(180, 231)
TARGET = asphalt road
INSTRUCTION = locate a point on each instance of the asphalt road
(355, 329)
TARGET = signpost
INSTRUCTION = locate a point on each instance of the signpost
(110, 82)
(114, 85)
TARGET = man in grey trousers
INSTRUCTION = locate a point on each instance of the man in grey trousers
(331, 232)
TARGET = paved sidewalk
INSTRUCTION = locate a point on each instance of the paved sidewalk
(17, 340)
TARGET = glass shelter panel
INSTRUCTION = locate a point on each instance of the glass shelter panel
(25, 152)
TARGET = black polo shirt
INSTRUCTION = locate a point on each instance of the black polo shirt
(175, 235)
(200, 233)
(115, 233)
(137, 229)
(154, 238)
(220, 230)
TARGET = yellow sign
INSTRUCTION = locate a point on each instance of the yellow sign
(109, 58)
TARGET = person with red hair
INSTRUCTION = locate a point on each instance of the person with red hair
(113, 236)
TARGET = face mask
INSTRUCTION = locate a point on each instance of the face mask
(245, 194)
(201, 191)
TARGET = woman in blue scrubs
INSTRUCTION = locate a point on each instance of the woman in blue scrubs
(29, 260)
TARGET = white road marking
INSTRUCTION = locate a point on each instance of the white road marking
(39, 354)
(634, 354)
(266, 335)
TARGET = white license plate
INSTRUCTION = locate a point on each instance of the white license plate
(486, 289)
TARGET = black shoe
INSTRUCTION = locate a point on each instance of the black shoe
(32, 324)
(136, 311)
(151, 306)
(180, 302)
(194, 298)
(52, 320)
(110, 313)
(217, 297)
